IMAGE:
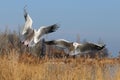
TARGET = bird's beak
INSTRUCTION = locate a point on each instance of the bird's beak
(22, 42)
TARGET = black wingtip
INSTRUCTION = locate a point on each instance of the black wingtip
(25, 12)
(25, 6)
(54, 27)
(103, 46)
(25, 9)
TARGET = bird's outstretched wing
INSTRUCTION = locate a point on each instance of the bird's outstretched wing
(28, 22)
(49, 29)
(91, 46)
(44, 30)
(60, 43)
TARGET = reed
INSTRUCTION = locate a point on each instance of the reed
(28, 67)
(18, 62)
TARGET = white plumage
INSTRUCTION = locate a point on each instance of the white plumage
(38, 34)
(31, 36)
(74, 48)
(28, 22)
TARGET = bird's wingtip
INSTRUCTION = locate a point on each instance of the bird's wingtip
(25, 7)
(104, 45)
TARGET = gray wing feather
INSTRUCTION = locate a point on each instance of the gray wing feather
(91, 46)
(50, 29)
(46, 30)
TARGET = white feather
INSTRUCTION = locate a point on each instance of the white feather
(27, 25)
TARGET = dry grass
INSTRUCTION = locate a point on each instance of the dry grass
(14, 66)
(20, 63)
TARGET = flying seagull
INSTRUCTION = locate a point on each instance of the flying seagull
(32, 36)
(86, 47)
(74, 48)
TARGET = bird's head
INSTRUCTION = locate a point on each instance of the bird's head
(75, 44)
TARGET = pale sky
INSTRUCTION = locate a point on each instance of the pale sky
(91, 19)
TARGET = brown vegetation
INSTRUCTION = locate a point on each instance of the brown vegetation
(18, 62)
(28, 67)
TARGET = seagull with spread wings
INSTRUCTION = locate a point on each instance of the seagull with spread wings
(31, 36)
(74, 48)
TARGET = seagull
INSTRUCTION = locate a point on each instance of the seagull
(86, 48)
(31, 36)
(74, 48)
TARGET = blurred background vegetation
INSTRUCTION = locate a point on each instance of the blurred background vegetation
(10, 40)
